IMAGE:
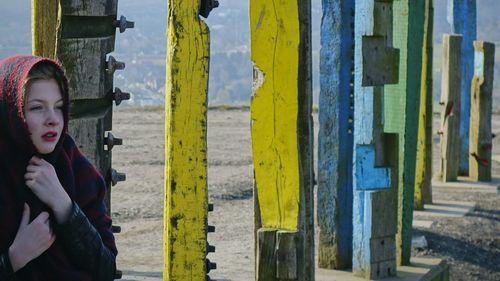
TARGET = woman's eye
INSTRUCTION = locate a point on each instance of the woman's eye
(36, 107)
(61, 107)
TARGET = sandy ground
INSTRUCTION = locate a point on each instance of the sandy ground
(470, 244)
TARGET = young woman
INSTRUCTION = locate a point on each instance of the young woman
(53, 222)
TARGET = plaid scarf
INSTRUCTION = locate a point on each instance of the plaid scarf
(77, 175)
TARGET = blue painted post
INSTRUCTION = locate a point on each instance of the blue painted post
(335, 140)
(463, 20)
(374, 197)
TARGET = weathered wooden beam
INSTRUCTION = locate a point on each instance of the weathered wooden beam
(282, 124)
(463, 21)
(450, 113)
(44, 17)
(83, 55)
(423, 173)
(402, 109)
(374, 199)
(335, 139)
(427, 185)
(185, 218)
(480, 137)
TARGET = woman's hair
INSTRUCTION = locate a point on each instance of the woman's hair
(46, 70)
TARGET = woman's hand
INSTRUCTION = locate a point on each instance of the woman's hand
(42, 179)
(32, 239)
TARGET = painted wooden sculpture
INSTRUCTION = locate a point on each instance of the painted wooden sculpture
(462, 18)
(186, 194)
(480, 137)
(282, 139)
(423, 173)
(374, 198)
(335, 140)
(401, 112)
(450, 113)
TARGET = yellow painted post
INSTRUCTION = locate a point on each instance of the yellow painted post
(282, 138)
(185, 216)
(44, 18)
(423, 191)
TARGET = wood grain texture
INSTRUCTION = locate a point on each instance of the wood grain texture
(463, 20)
(480, 145)
(90, 8)
(402, 109)
(450, 113)
(44, 18)
(372, 183)
(335, 139)
(275, 42)
(423, 188)
(185, 218)
(281, 121)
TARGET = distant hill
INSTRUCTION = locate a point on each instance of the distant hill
(143, 48)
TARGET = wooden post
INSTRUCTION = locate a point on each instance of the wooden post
(335, 140)
(423, 174)
(462, 19)
(450, 114)
(282, 137)
(57, 34)
(44, 16)
(402, 112)
(83, 52)
(185, 218)
(429, 112)
(480, 117)
(374, 201)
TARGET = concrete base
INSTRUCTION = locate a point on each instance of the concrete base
(467, 184)
(422, 269)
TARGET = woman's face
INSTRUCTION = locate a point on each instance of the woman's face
(43, 111)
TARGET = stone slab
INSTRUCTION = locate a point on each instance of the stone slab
(466, 184)
(441, 208)
(422, 269)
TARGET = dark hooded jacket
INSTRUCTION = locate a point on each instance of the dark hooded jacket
(84, 248)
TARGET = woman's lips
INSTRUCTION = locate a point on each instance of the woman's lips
(50, 136)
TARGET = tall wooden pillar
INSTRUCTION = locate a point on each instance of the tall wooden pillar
(402, 111)
(462, 18)
(480, 144)
(80, 34)
(423, 173)
(450, 113)
(44, 17)
(282, 139)
(186, 195)
(374, 198)
(335, 140)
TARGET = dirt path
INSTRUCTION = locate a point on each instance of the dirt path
(470, 244)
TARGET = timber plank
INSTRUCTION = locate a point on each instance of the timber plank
(373, 188)
(423, 172)
(185, 217)
(335, 139)
(450, 114)
(44, 16)
(402, 109)
(480, 138)
(281, 122)
(89, 8)
(463, 21)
